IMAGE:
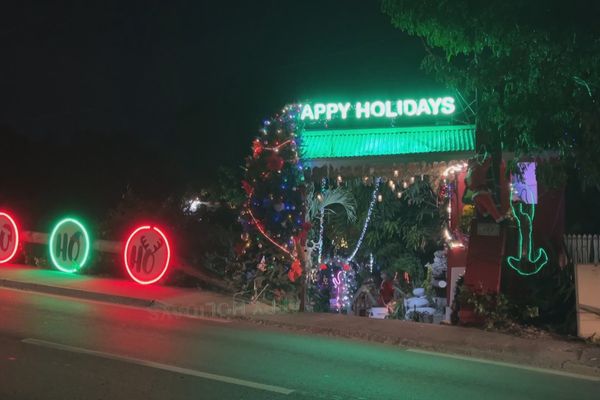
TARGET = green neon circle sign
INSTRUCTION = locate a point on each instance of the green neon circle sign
(69, 245)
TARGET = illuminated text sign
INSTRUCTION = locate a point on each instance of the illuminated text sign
(390, 109)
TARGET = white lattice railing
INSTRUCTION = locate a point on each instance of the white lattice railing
(583, 249)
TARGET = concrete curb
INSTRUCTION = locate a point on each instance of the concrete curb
(78, 293)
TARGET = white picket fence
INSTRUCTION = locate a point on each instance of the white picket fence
(583, 249)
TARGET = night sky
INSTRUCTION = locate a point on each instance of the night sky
(159, 94)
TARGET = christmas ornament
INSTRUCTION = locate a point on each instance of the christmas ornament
(295, 270)
(262, 265)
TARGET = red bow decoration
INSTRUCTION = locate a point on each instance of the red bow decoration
(323, 267)
(346, 267)
(295, 270)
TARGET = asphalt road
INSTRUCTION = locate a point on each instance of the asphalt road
(59, 348)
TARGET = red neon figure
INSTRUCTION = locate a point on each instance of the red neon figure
(9, 237)
(147, 255)
(475, 179)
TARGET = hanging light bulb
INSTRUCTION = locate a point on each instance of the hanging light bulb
(339, 179)
(412, 179)
(404, 184)
(399, 194)
(379, 198)
(396, 173)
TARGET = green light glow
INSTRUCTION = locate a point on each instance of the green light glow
(337, 143)
(390, 109)
(75, 263)
(541, 258)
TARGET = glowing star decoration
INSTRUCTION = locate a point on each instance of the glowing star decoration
(69, 245)
(147, 255)
(385, 109)
(526, 253)
(9, 237)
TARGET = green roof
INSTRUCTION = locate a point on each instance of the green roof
(332, 143)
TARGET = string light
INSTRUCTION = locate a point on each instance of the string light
(262, 232)
(374, 197)
(321, 224)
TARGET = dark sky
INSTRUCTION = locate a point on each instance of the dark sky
(186, 83)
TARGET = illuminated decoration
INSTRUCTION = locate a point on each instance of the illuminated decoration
(273, 213)
(69, 245)
(322, 222)
(147, 254)
(389, 109)
(538, 259)
(262, 231)
(9, 237)
(337, 143)
(338, 283)
(374, 197)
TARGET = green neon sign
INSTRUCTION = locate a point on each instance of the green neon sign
(69, 245)
(526, 255)
(379, 109)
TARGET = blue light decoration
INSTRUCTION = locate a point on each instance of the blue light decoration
(367, 220)
(321, 223)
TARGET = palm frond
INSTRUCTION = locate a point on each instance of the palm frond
(328, 199)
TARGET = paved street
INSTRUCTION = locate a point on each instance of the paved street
(59, 348)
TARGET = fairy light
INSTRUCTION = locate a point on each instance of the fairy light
(279, 146)
(374, 197)
(321, 224)
(337, 283)
(260, 228)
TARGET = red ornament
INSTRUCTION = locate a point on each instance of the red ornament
(257, 148)
(275, 162)
(295, 270)
(346, 267)
(323, 267)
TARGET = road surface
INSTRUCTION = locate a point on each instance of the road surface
(60, 348)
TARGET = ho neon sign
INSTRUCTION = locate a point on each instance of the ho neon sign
(9, 237)
(382, 109)
(147, 254)
(69, 245)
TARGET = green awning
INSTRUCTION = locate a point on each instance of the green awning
(322, 144)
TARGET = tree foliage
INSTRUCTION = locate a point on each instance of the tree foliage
(531, 66)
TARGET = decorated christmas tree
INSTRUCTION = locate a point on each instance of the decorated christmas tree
(273, 214)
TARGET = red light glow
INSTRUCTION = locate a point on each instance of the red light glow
(10, 253)
(137, 244)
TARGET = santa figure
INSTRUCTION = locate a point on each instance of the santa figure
(476, 182)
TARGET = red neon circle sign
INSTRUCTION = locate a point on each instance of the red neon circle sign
(9, 237)
(147, 255)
